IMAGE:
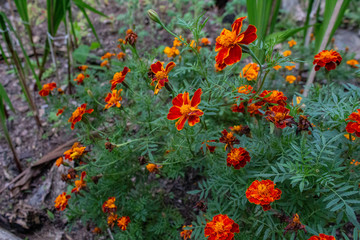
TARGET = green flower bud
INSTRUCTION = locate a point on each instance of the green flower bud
(154, 16)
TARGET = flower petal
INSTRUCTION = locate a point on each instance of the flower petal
(222, 54)
(156, 67)
(169, 66)
(249, 35)
(178, 100)
(193, 119)
(236, 26)
(181, 122)
(174, 113)
(125, 71)
(234, 55)
(196, 99)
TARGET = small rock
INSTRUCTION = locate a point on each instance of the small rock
(18, 141)
(24, 133)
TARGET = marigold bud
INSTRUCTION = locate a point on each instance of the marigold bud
(154, 16)
(90, 93)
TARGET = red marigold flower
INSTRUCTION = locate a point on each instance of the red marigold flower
(276, 97)
(327, 59)
(229, 139)
(130, 37)
(205, 41)
(279, 115)
(354, 125)
(77, 115)
(250, 71)
(83, 68)
(121, 55)
(237, 157)
(59, 161)
(353, 63)
(111, 220)
(228, 43)
(210, 148)
(47, 88)
(263, 193)
(62, 201)
(123, 222)
(238, 108)
(171, 52)
(60, 111)
(186, 234)
(79, 184)
(113, 99)
(80, 78)
(76, 151)
(322, 237)
(153, 168)
(107, 55)
(221, 227)
(160, 74)
(253, 108)
(119, 77)
(109, 205)
(186, 110)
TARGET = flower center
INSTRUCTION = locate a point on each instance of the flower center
(262, 189)
(219, 227)
(161, 75)
(186, 109)
(279, 116)
(227, 39)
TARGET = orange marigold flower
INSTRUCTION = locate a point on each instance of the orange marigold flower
(322, 237)
(77, 115)
(47, 88)
(263, 193)
(59, 161)
(292, 43)
(354, 162)
(354, 125)
(185, 109)
(186, 234)
(160, 74)
(276, 97)
(104, 63)
(109, 205)
(250, 71)
(228, 43)
(107, 56)
(79, 184)
(253, 108)
(205, 41)
(245, 89)
(80, 78)
(229, 139)
(130, 37)
(76, 151)
(291, 67)
(153, 168)
(177, 42)
(119, 77)
(287, 53)
(111, 220)
(210, 148)
(121, 55)
(60, 111)
(237, 157)
(83, 68)
(171, 52)
(96, 230)
(327, 59)
(62, 201)
(277, 67)
(194, 45)
(279, 115)
(221, 227)
(290, 79)
(123, 222)
(353, 63)
(113, 99)
(348, 137)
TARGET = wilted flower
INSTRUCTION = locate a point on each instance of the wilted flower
(123, 222)
(185, 109)
(303, 124)
(279, 115)
(250, 71)
(221, 227)
(294, 225)
(328, 59)
(229, 139)
(109, 205)
(77, 115)
(130, 37)
(201, 205)
(111, 219)
(263, 193)
(237, 157)
(160, 74)
(47, 88)
(228, 44)
(79, 184)
(76, 151)
(241, 130)
(186, 234)
(62, 201)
